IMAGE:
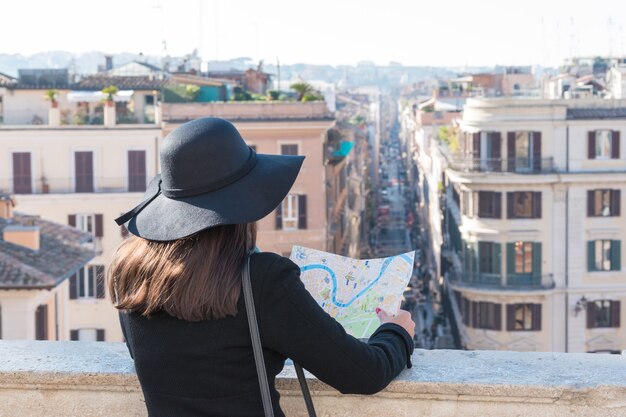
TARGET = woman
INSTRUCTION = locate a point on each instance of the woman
(177, 283)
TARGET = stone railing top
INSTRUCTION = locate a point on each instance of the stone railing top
(590, 381)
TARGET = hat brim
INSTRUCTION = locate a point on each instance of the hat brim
(249, 199)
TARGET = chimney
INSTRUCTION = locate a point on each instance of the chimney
(22, 235)
(6, 206)
(108, 66)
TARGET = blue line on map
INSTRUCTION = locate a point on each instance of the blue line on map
(383, 268)
(406, 258)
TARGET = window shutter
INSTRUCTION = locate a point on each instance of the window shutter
(71, 220)
(497, 205)
(476, 145)
(536, 316)
(100, 335)
(99, 281)
(510, 258)
(73, 334)
(510, 317)
(510, 197)
(591, 144)
(537, 259)
(497, 320)
(591, 255)
(302, 212)
(615, 312)
(73, 287)
(537, 204)
(510, 151)
(496, 145)
(615, 136)
(616, 252)
(591, 203)
(497, 258)
(279, 216)
(537, 151)
(99, 232)
(41, 322)
(474, 315)
(591, 314)
(616, 196)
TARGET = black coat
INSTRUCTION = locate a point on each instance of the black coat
(207, 368)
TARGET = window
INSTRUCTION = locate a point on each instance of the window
(603, 144)
(523, 257)
(291, 214)
(524, 205)
(90, 223)
(603, 313)
(603, 255)
(87, 335)
(603, 203)
(136, 171)
(22, 175)
(83, 172)
(489, 204)
(523, 317)
(289, 149)
(41, 322)
(524, 151)
(486, 315)
(489, 258)
(88, 283)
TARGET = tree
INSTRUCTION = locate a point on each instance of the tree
(303, 89)
(52, 95)
(110, 91)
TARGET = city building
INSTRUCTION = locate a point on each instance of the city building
(39, 261)
(84, 177)
(532, 223)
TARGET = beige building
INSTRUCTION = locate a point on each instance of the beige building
(287, 128)
(82, 176)
(36, 259)
(532, 226)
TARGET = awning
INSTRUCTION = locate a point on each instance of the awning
(98, 96)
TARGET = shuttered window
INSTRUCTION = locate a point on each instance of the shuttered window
(604, 255)
(603, 144)
(524, 205)
(136, 171)
(603, 313)
(489, 257)
(603, 203)
(489, 204)
(88, 283)
(486, 315)
(89, 223)
(41, 322)
(522, 317)
(292, 213)
(22, 174)
(289, 149)
(87, 335)
(83, 167)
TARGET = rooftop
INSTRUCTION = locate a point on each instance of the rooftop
(60, 255)
(98, 379)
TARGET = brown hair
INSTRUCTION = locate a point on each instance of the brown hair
(194, 278)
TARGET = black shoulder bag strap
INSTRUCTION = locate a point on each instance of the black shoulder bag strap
(258, 351)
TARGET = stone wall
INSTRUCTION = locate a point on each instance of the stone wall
(98, 379)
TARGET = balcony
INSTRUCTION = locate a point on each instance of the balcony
(97, 379)
(254, 110)
(499, 281)
(512, 165)
(72, 185)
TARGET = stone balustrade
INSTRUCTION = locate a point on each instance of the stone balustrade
(98, 379)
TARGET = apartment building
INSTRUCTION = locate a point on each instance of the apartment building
(84, 177)
(36, 259)
(532, 224)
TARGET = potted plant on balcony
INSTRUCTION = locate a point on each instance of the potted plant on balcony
(51, 96)
(110, 91)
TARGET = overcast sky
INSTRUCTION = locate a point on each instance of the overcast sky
(412, 32)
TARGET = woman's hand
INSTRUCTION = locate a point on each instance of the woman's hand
(403, 319)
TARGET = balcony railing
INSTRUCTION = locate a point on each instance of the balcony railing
(508, 281)
(512, 165)
(98, 379)
(83, 184)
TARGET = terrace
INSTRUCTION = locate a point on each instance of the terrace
(98, 379)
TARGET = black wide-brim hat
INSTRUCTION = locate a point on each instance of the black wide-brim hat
(209, 177)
